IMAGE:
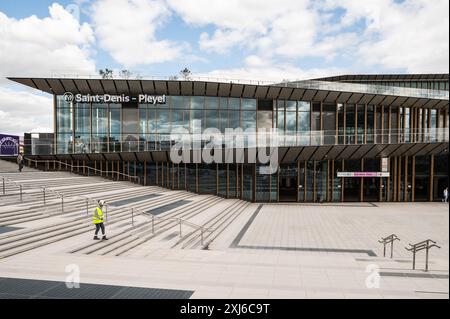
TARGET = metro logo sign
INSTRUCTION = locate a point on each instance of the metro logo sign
(9, 145)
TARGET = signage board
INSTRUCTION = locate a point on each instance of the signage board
(9, 145)
(363, 174)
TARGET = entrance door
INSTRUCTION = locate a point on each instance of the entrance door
(371, 189)
(288, 183)
(352, 188)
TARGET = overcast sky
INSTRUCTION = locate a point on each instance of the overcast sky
(232, 39)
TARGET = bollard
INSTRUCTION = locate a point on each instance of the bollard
(20, 192)
(180, 227)
(62, 203)
(3, 185)
(132, 217)
(87, 206)
(106, 213)
(43, 191)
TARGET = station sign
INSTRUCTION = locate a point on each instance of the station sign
(69, 97)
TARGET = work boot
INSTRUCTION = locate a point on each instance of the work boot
(104, 237)
(96, 238)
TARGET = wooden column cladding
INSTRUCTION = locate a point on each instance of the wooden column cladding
(361, 185)
(298, 180)
(342, 181)
(382, 124)
(344, 120)
(406, 188)
(217, 179)
(328, 181)
(278, 185)
(365, 124)
(314, 182)
(356, 122)
(196, 178)
(430, 197)
(380, 188)
(254, 184)
(228, 181)
(145, 173)
(336, 139)
(388, 183)
(304, 182)
(332, 181)
(423, 129)
(413, 179)
(399, 179)
(399, 124)
(394, 180)
(428, 125)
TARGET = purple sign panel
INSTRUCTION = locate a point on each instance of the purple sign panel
(9, 145)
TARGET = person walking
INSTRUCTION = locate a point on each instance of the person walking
(445, 195)
(20, 162)
(97, 219)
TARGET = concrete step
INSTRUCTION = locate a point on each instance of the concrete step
(59, 233)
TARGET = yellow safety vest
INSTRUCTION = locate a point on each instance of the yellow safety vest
(97, 218)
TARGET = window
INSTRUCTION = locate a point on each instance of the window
(329, 123)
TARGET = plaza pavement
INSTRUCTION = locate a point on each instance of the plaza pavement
(266, 251)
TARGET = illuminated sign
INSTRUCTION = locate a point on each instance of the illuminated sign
(363, 174)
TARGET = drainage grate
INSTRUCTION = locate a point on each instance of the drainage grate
(411, 275)
(133, 200)
(13, 288)
(165, 208)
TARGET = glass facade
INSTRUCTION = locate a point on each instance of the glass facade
(98, 128)
(103, 128)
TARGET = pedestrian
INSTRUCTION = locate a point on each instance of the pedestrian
(20, 162)
(445, 199)
(97, 219)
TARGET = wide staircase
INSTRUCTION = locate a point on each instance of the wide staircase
(44, 208)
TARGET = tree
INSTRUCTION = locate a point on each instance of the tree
(126, 74)
(186, 74)
(106, 73)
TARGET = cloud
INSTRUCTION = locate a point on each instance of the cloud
(55, 45)
(266, 71)
(284, 28)
(409, 35)
(40, 47)
(127, 30)
(382, 35)
(25, 111)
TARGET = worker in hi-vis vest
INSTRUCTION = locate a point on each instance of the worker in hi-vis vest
(97, 219)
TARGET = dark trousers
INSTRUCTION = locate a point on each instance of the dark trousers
(98, 227)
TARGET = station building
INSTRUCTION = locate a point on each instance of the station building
(351, 138)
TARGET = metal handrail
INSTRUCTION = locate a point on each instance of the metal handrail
(162, 219)
(414, 248)
(10, 181)
(84, 166)
(388, 240)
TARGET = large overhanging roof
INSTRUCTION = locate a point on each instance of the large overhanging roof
(387, 77)
(285, 154)
(317, 91)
